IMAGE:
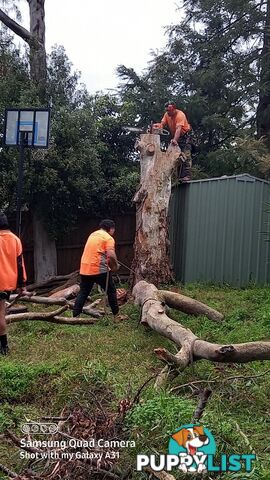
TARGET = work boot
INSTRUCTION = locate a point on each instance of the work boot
(120, 318)
(4, 350)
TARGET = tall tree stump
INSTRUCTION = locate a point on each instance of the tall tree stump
(151, 249)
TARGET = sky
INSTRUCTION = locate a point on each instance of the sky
(99, 35)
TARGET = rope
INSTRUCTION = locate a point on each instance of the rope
(106, 291)
(123, 265)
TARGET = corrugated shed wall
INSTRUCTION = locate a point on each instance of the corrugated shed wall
(219, 229)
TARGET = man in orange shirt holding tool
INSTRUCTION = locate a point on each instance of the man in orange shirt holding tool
(177, 123)
(97, 262)
(12, 274)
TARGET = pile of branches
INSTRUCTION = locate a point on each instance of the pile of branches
(54, 284)
(75, 425)
(60, 291)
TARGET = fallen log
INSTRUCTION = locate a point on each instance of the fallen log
(69, 292)
(35, 315)
(92, 311)
(17, 309)
(51, 317)
(43, 300)
(192, 348)
(74, 320)
(72, 280)
(88, 310)
(189, 305)
(59, 278)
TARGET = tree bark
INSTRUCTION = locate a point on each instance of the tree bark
(45, 257)
(151, 248)
(192, 347)
(38, 65)
(53, 280)
(68, 292)
(189, 305)
(52, 317)
(87, 309)
(263, 110)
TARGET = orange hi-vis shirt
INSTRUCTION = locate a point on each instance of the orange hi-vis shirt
(179, 119)
(12, 270)
(94, 259)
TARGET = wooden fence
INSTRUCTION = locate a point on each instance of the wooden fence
(70, 248)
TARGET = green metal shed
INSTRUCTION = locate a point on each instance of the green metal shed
(219, 229)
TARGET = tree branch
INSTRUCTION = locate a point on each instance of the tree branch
(219, 380)
(157, 319)
(7, 471)
(15, 27)
(35, 315)
(190, 306)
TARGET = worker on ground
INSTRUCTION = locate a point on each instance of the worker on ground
(12, 274)
(97, 262)
(176, 121)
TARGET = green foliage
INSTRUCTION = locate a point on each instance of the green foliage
(63, 366)
(211, 68)
(163, 413)
(88, 166)
(96, 372)
(19, 383)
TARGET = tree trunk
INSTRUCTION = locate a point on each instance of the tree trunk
(45, 257)
(151, 249)
(44, 247)
(263, 110)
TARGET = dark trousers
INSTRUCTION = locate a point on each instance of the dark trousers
(184, 168)
(87, 282)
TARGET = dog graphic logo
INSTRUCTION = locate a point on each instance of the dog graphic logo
(192, 442)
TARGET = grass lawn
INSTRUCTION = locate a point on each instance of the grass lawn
(51, 367)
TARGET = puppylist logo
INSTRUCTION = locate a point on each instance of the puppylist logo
(192, 449)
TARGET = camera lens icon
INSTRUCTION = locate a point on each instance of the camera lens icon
(39, 428)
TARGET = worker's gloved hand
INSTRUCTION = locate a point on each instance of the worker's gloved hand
(113, 265)
(116, 267)
(174, 142)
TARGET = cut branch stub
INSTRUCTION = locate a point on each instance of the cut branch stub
(150, 149)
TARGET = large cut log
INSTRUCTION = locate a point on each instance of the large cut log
(192, 348)
(189, 305)
(151, 248)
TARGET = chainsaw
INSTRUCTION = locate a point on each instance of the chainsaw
(153, 128)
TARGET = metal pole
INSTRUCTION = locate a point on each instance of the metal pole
(20, 185)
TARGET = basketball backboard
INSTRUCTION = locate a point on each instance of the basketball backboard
(31, 125)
